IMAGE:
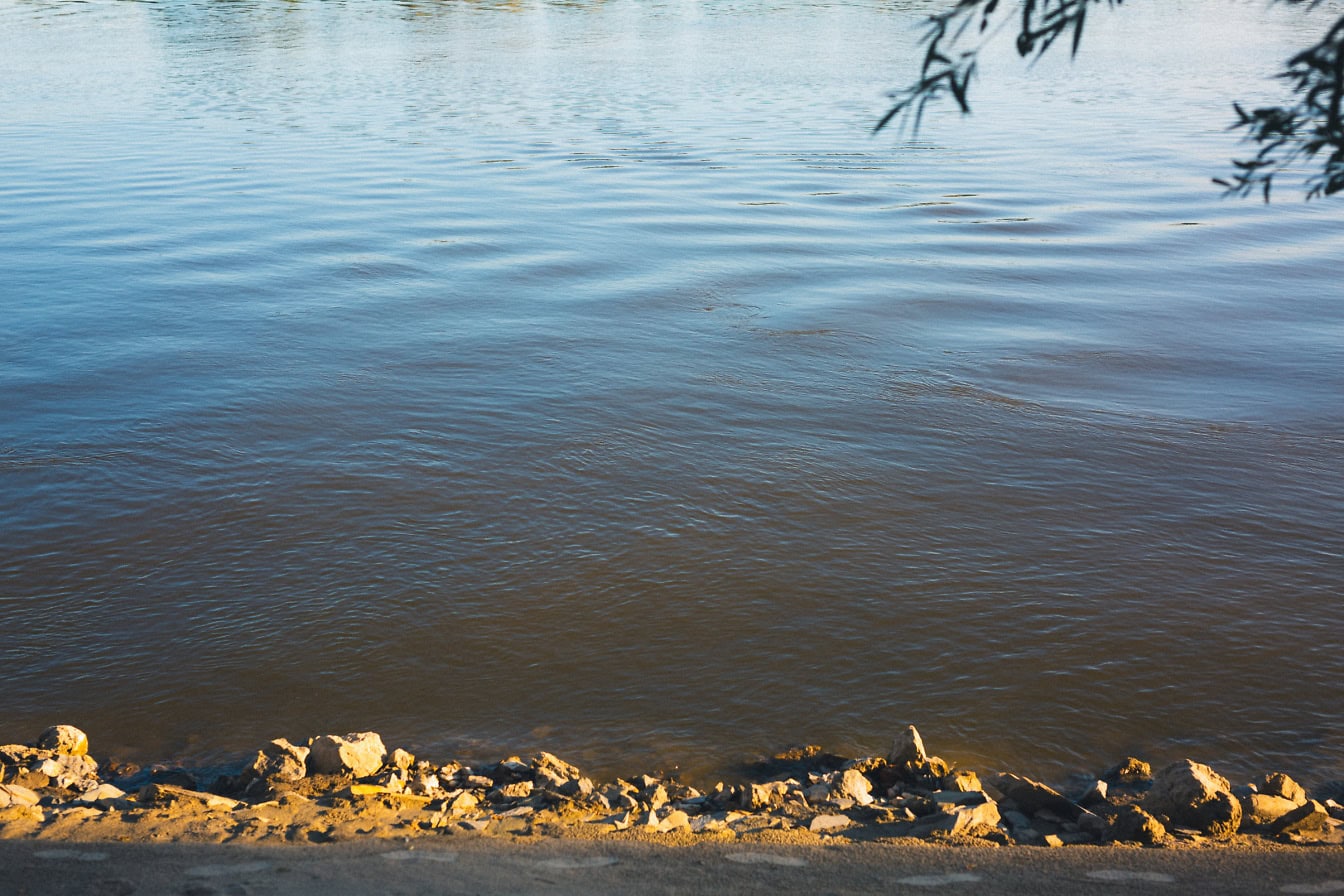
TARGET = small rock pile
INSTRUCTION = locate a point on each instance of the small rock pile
(339, 786)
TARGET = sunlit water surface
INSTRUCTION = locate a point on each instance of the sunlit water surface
(585, 376)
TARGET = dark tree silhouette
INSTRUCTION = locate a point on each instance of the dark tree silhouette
(1308, 130)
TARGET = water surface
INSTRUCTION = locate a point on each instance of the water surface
(584, 376)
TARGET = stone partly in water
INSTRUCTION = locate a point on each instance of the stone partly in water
(65, 739)
(907, 749)
(360, 754)
(1194, 795)
(279, 762)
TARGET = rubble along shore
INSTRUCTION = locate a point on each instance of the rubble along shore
(343, 787)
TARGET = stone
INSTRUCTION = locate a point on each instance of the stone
(1261, 809)
(279, 761)
(64, 739)
(955, 819)
(464, 801)
(104, 796)
(578, 788)
(553, 766)
(1130, 771)
(824, 823)
(360, 754)
(854, 785)
(907, 749)
(960, 797)
(401, 760)
(519, 790)
(1309, 818)
(1033, 797)
(1194, 795)
(1280, 785)
(17, 795)
(763, 796)
(168, 794)
(963, 780)
(1096, 793)
(674, 821)
(71, 771)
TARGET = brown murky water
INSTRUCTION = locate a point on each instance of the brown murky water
(585, 377)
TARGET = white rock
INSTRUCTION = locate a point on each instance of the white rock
(103, 795)
(824, 823)
(17, 795)
(360, 754)
(854, 785)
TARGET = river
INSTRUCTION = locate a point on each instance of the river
(588, 377)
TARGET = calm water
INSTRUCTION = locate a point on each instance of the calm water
(584, 376)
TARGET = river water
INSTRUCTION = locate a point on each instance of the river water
(585, 376)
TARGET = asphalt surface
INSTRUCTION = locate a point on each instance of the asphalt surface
(496, 867)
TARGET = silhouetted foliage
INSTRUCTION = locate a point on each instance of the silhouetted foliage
(1309, 128)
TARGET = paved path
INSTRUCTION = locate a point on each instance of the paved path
(38, 868)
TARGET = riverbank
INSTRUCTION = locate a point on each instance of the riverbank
(352, 788)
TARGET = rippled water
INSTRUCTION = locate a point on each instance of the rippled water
(584, 376)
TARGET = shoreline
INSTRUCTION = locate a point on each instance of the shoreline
(354, 788)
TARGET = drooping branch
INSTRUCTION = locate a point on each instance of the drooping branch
(955, 38)
(1308, 129)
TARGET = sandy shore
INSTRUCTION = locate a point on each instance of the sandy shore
(343, 814)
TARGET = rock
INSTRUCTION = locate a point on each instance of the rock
(1261, 809)
(1309, 818)
(519, 790)
(1096, 793)
(1194, 795)
(853, 784)
(16, 795)
(674, 821)
(578, 788)
(1033, 796)
(959, 797)
(755, 797)
(104, 796)
(655, 797)
(907, 749)
(64, 739)
(71, 771)
(1132, 824)
(401, 760)
(823, 823)
(1280, 785)
(464, 801)
(1130, 771)
(360, 754)
(553, 767)
(279, 761)
(168, 794)
(954, 819)
(964, 780)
